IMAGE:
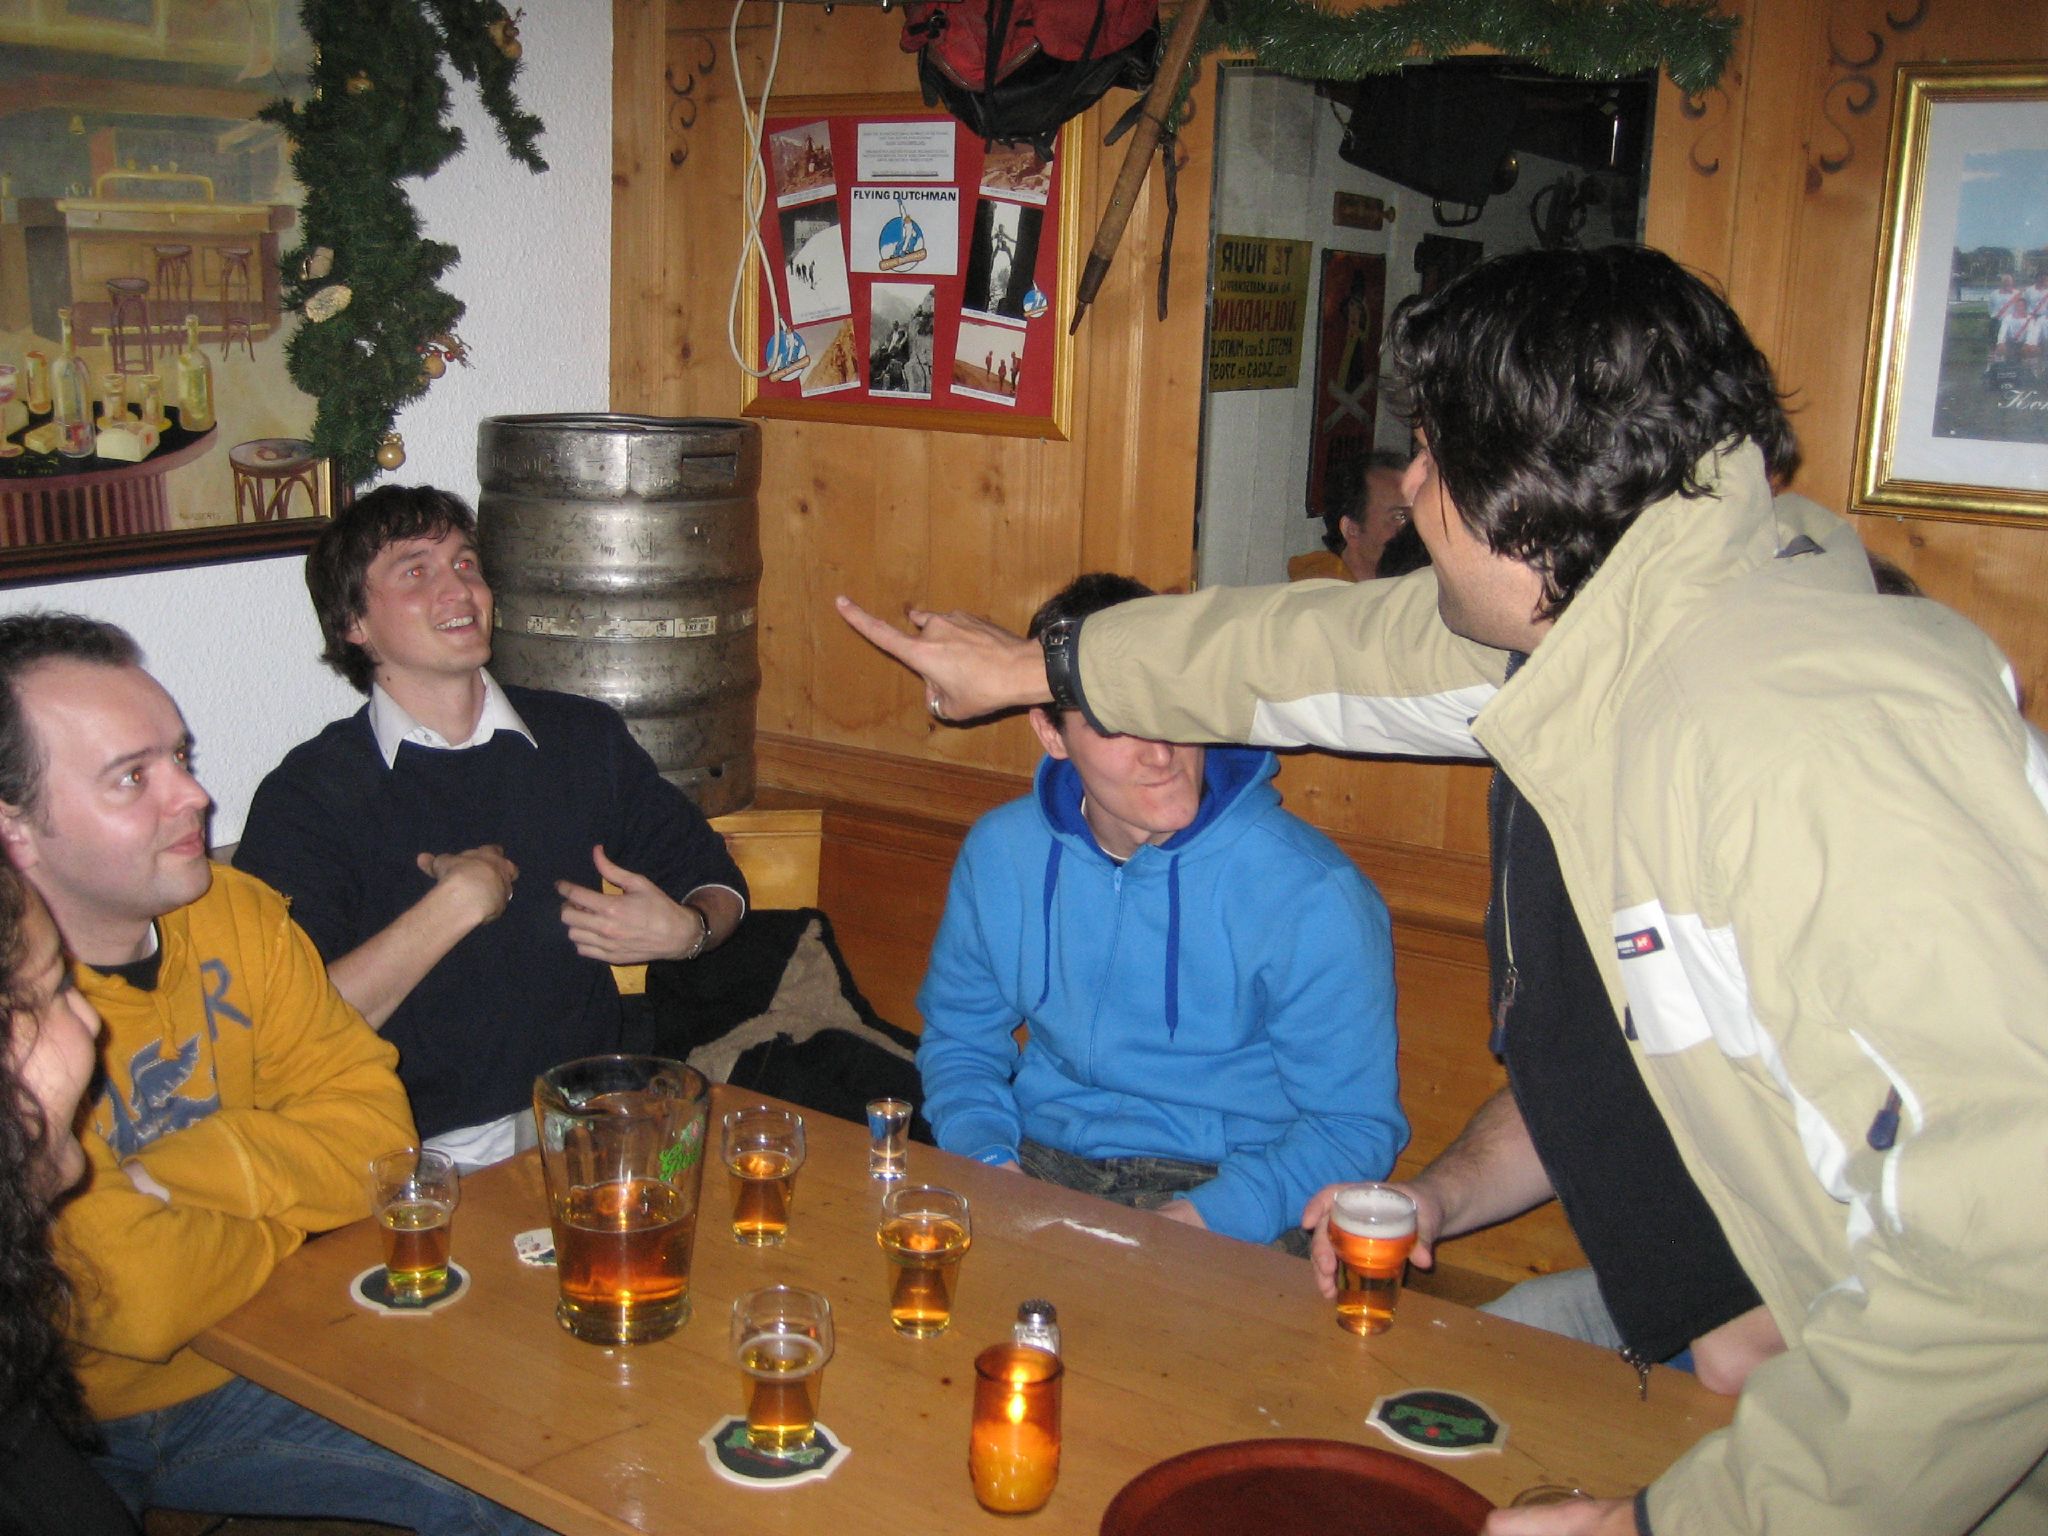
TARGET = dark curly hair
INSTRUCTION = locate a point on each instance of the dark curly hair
(339, 561)
(1563, 392)
(1085, 595)
(35, 1296)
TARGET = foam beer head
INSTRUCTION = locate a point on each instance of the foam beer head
(1374, 1211)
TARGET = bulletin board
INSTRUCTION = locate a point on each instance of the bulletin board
(923, 280)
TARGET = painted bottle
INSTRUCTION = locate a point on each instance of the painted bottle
(71, 397)
(195, 382)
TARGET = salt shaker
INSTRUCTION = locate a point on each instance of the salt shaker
(1038, 1324)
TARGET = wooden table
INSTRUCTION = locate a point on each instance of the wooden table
(1173, 1339)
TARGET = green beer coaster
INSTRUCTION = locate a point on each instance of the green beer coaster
(372, 1289)
(732, 1458)
(1439, 1422)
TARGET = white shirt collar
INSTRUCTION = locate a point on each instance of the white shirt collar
(393, 726)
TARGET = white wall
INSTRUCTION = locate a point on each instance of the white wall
(236, 644)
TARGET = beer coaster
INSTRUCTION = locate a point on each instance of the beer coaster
(372, 1289)
(536, 1247)
(732, 1458)
(1439, 1422)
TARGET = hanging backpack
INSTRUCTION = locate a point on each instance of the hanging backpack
(1014, 70)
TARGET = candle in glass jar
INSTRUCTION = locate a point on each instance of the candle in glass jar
(1013, 1452)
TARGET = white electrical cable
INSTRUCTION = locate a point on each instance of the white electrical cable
(753, 197)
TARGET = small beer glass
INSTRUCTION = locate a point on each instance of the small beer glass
(414, 1195)
(888, 1133)
(1013, 1449)
(762, 1148)
(924, 1234)
(1372, 1227)
(782, 1339)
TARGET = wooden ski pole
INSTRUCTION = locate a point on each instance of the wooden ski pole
(1180, 45)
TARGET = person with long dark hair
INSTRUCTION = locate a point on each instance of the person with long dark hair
(47, 1034)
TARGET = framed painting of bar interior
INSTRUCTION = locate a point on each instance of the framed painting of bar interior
(906, 276)
(141, 199)
(1954, 422)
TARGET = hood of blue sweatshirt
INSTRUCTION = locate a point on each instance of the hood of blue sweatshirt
(1236, 788)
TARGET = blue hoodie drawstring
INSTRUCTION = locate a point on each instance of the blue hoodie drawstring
(1052, 882)
(1172, 946)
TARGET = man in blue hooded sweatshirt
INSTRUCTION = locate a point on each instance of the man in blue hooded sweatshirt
(1207, 982)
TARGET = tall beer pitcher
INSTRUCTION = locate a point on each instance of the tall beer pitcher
(622, 1140)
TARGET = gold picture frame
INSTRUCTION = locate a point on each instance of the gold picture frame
(942, 412)
(1954, 419)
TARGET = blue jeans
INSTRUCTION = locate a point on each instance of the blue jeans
(240, 1450)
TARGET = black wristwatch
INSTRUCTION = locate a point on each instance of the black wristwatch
(1062, 662)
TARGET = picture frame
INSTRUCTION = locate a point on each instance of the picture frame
(889, 338)
(144, 192)
(1954, 417)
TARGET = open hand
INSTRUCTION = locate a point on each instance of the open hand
(638, 924)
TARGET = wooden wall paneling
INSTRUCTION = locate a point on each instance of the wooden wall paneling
(639, 153)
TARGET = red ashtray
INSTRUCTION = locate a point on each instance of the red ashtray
(1293, 1488)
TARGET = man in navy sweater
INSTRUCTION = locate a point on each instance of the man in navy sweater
(445, 845)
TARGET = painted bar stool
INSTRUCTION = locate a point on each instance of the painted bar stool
(269, 472)
(237, 299)
(128, 341)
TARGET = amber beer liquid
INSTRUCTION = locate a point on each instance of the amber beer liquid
(784, 1375)
(622, 1254)
(416, 1247)
(1372, 1228)
(924, 1254)
(763, 1186)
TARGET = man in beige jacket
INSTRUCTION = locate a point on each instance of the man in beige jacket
(1800, 826)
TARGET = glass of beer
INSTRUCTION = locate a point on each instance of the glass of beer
(924, 1235)
(782, 1337)
(414, 1195)
(1372, 1227)
(622, 1142)
(763, 1148)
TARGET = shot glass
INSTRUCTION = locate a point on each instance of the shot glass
(1372, 1227)
(888, 1137)
(1013, 1448)
(762, 1148)
(414, 1195)
(924, 1234)
(782, 1339)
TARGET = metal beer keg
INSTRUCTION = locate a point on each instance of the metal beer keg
(625, 554)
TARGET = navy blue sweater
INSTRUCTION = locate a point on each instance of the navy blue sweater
(340, 834)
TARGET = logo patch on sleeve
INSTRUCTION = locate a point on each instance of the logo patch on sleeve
(1633, 946)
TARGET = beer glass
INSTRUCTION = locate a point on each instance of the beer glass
(622, 1142)
(762, 1148)
(782, 1338)
(924, 1234)
(414, 1195)
(1372, 1227)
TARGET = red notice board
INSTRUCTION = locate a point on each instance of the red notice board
(919, 280)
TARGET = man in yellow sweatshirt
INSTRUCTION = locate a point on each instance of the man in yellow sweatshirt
(242, 1102)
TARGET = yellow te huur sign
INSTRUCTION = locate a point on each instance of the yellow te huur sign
(1256, 309)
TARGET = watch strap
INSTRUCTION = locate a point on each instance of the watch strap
(703, 932)
(1062, 662)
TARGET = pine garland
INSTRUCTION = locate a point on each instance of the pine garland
(1588, 39)
(365, 280)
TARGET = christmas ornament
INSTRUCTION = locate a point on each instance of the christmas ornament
(433, 364)
(359, 83)
(318, 263)
(505, 33)
(390, 451)
(328, 302)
